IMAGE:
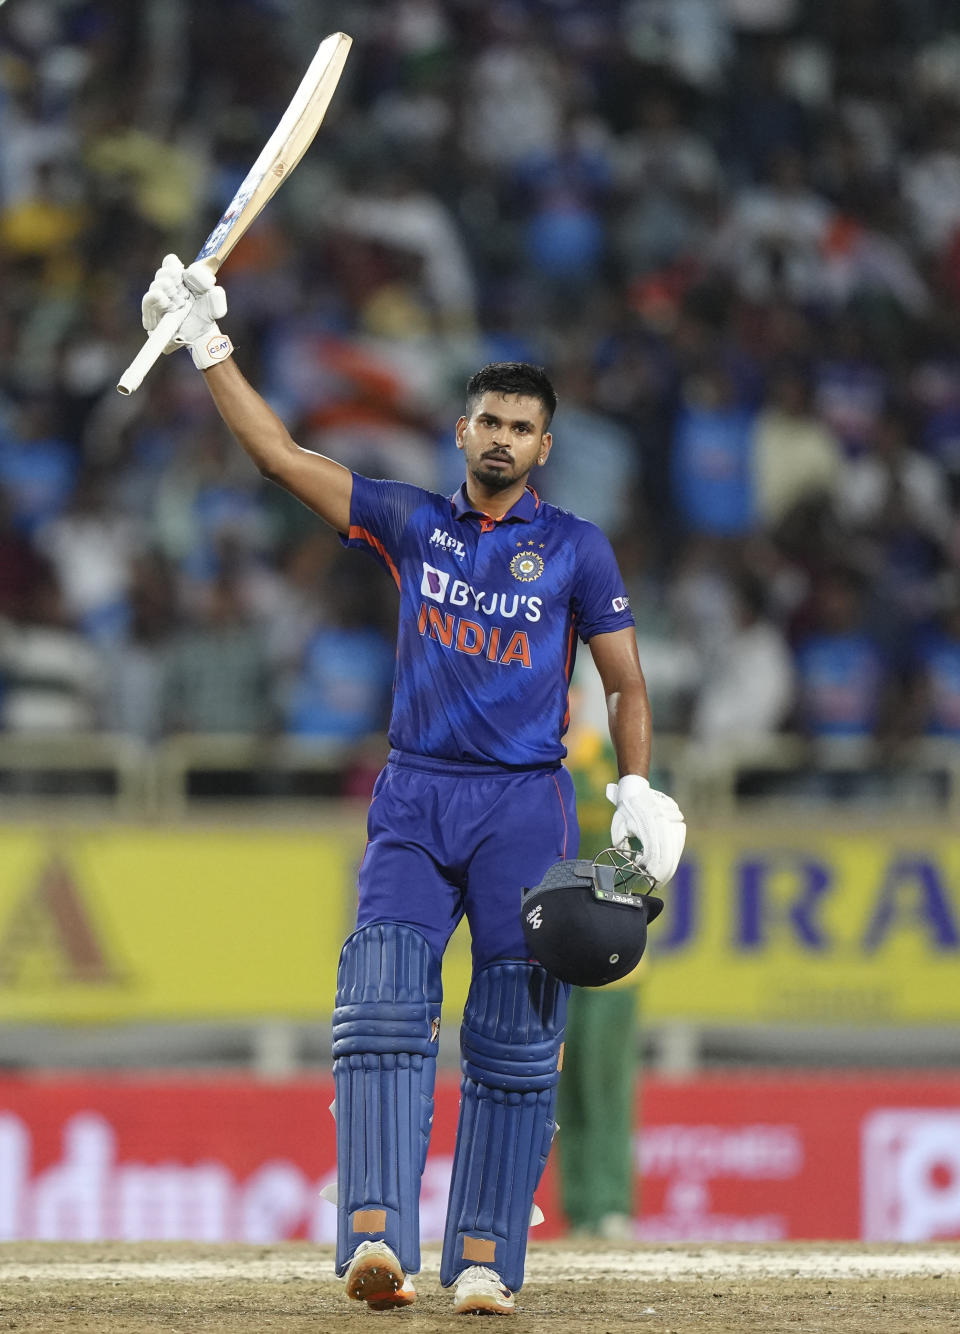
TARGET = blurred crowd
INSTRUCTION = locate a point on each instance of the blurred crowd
(730, 229)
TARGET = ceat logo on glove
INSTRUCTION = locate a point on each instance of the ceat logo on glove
(218, 347)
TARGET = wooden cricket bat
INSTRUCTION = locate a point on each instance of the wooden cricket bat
(280, 154)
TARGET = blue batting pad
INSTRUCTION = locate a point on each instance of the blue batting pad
(510, 1051)
(385, 1038)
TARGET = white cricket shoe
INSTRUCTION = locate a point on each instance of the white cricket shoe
(376, 1277)
(479, 1291)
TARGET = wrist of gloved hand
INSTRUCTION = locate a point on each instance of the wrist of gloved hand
(630, 785)
(211, 348)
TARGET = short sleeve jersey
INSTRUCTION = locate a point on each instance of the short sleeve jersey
(490, 614)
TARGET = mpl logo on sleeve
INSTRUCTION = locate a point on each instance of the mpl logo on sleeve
(434, 583)
(621, 604)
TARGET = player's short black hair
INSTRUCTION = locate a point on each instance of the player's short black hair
(513, 377)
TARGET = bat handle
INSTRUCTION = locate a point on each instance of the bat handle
(133, 376)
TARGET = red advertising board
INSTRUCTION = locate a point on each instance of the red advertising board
(764, 1158)
(731, 1158)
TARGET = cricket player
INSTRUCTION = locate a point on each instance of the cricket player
(496, 587)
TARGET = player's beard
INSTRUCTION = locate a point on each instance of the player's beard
(494, 479)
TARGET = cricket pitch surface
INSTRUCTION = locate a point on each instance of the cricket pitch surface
(571, 1288)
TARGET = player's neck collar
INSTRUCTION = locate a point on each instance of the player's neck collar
(524, 511)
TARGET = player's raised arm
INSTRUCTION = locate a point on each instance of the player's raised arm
(322, 484)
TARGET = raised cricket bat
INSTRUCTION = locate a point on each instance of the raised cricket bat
(280, 154)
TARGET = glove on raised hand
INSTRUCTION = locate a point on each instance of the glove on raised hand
(651, 817)
(174, 287)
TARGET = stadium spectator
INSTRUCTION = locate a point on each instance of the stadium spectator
(893, 505)
(132, 700)
(772, 240)
(747, 693)
(341, 691)
(795, 456)
(215, 676)
(52, 676)
(893, 484)
(22, 569)
(934, 697)
(842, 675)
(92, 548)
(38, 469)
(711, 457)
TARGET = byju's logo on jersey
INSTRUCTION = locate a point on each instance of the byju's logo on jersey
(438, 586)
(439, 538)
(434, 583)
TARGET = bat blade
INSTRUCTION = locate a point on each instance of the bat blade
(280, 154)
(283, 150)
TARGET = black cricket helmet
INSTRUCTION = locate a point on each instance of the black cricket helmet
(585, 923)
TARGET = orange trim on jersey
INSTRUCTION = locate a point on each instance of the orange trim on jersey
(365, 536)
(568, 672)
(564, 814)
(570, 639)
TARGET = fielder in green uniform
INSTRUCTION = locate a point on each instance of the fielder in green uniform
(595, 1105)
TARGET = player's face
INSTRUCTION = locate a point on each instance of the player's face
(503, 438)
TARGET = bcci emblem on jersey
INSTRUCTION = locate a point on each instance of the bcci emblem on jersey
(526, 566)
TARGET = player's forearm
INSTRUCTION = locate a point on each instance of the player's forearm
(321, 483)
(631, 726)
(628, 708)
(250, 418)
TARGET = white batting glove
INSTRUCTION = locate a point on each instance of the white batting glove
(175, 287)
(651, 817)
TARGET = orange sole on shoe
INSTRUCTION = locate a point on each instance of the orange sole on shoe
(381, 1285)
(403, 1296)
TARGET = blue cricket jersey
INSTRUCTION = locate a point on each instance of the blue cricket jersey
(490, 613)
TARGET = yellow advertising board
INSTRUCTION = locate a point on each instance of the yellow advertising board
(762, 925)
(768, 925)
(124, 924)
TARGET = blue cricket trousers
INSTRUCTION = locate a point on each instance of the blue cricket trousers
(446, 839)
